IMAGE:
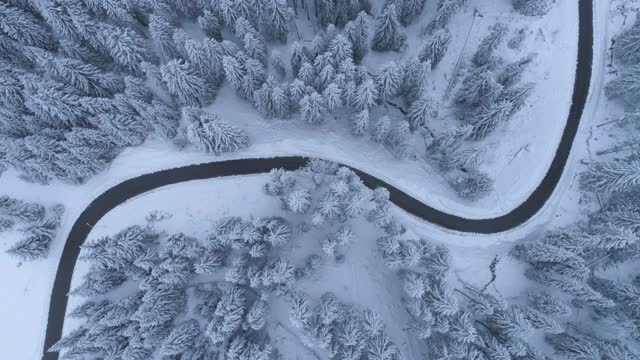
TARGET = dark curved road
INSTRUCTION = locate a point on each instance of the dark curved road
(136, 186)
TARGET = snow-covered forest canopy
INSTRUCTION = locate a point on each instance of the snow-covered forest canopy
(82, 80)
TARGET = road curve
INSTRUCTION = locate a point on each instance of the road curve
(141, 184)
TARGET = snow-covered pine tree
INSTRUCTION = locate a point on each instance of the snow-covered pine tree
(281, 102)
(243, 27)
(360, 124)
(414, 79)
(381, 129)
(278, 65)
(513, 72)
(366, 95)
(463, 159)
(517, 96)
(211, 24)
(24, 27)
(56, 104)
(212, 134)
(99, 281)
(388, 81)
(435, 47)
(479, 87)
(34, 246)
(572, 347)
(237, 272)
(325, 76)
(230, 11)
(276, 19)
(548, 304)
(627, 84)
(182, 338)
(257, 315)
(297, 90)
(444, 12)
(124, 45)
(162, 35)
(340, 50)
(472, 185)
(388, 34)
(312, 107)
(488, 118)
(320, 42)
(357, 31)
(263, 99)
(409, 10)
(611, 176)
(297, 58)
(125, 130)
(254, 47)
(422, 110)
(532, 7)
(308, 74)
(253, 79)
(333, 96)
(86, 78)
(182, 80)
(489, 44)
(206, 59)
(627, 48)
(299, 201)
(21, 211)
(300, 310)
(229, 314)
(234, 72)
(163, 118)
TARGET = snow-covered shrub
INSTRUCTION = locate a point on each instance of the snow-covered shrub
(532, 7)
(473, 185)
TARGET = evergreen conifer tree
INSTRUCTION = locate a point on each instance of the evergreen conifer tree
(24, 27)
(366, 95)
(212, 134)
(182, 81)
(388, 81)
(162, 36)
(410, 9)
(182, 338)
(435, 47)
(276, 19)
(388, 34)
(312, 107)
(489, 44)
(357, 31)
(626, 48)
(421, 111)
(360, 124)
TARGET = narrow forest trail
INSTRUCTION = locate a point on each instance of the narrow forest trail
(139, 185)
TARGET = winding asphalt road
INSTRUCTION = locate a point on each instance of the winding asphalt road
(136, 186)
